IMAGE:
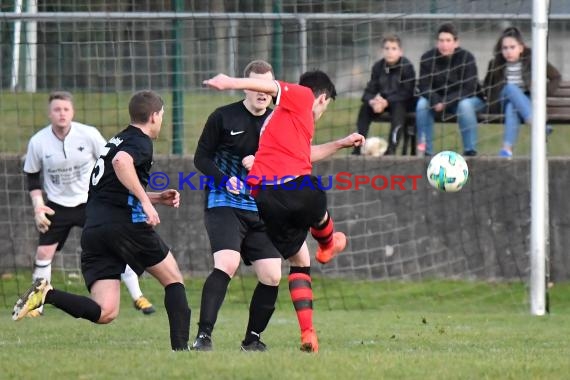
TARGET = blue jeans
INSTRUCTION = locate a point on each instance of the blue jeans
(466, 111)
(517, 107)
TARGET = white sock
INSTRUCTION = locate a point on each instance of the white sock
(42, 269)
(131, 280)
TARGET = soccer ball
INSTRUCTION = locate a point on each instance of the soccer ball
(447, 171)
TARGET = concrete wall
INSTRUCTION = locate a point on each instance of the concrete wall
(481, 232)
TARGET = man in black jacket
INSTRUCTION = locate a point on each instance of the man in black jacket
(449, 84)
(390, 89)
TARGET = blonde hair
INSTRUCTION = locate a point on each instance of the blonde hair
(60, 95)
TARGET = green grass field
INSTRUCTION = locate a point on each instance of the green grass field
(23, 114)
(394, 331)
(367, 330)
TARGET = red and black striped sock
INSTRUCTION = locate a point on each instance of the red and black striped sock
(323, 234)
(302, 295)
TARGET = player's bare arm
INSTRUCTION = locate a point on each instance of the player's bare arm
(224, 82)
(322, 151)
(127, 175)
(168, 197)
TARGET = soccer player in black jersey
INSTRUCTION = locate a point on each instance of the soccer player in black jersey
(119, 230)
(226, 152)
(64, 152)
(232, 222)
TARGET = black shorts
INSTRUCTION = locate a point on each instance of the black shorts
(107, 249)
(64, 219)
(241, 231)
(289, 210)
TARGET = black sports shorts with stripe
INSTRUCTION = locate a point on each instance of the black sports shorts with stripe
(107, 248)
(241, 231)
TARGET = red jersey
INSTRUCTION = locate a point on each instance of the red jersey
(285, 142)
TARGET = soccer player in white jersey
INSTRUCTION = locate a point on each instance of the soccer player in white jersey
(65, 152)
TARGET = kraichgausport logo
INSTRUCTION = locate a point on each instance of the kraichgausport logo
(159, 181)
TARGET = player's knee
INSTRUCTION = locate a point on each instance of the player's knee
(45, 252)
(270, 279)
(108, 315)
(228, 269)
(300, 260)
(227, 261)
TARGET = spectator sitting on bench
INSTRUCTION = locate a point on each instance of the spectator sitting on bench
(448, 83)
(391, 88)
(507, 85)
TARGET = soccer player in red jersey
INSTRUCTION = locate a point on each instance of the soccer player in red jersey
(289, 199)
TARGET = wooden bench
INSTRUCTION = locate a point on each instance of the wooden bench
(558, 105)
(557, 110)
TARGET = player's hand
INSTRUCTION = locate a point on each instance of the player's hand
(354, 139)
(247, 161)
(219, 82)
(233, 185)
(42, 222)
(170, 197)
(151, 214)
(438, 107)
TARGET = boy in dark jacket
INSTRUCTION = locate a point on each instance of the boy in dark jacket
(448, 83)
(390, 89)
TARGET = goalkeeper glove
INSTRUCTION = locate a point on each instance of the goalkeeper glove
(40, 211)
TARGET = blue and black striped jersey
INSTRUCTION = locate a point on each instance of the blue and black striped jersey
(230, 134)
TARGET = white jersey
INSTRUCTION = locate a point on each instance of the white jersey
(66, 165)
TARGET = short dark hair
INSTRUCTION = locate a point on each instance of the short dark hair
(60, 95)
(143, 104)
(319, 82)
(448, 28)
(258, 66)
(392, 38)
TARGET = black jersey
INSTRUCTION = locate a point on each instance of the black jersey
(109, 201)
(230, 134)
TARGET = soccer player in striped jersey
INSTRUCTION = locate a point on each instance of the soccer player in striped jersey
(233, 224)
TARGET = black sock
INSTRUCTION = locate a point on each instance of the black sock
(74, 305)
(260, 310)
(178, 312)
(213, 294)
